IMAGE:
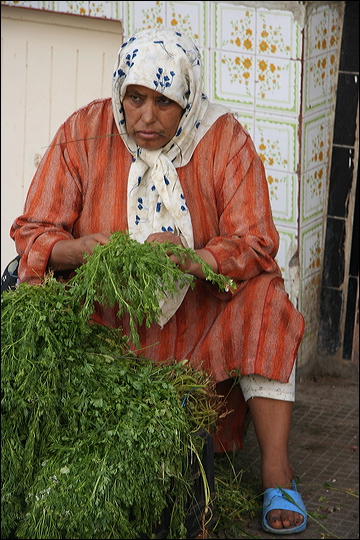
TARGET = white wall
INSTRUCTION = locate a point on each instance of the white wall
(51, 64)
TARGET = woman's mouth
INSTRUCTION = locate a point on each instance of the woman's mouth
(149, 135)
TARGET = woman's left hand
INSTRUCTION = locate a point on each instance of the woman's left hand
(186, 266)
(167, 236)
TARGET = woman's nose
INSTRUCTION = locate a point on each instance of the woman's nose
(149, 112)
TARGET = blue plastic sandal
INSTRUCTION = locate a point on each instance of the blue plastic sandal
(283, 499)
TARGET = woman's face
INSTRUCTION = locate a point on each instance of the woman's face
(151, 118)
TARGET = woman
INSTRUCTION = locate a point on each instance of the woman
(161, 161)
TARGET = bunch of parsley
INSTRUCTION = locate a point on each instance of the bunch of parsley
(95, 440)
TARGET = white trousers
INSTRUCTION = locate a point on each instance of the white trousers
(259, 386)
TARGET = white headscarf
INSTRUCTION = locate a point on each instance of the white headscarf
(169, 63)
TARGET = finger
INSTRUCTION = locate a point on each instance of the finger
(101, 238)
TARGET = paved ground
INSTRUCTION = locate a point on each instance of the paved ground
(325, 455)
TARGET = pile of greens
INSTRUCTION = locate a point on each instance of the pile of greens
(95, 440)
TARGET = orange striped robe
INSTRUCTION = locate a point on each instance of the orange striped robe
(80, 188)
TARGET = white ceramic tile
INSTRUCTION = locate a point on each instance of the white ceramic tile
(233, 78)
(276, 141)
(29, 4)
(75, 7)
(309, 305)
(106, 10)
(233, 28)
(315, 82)
(316, 141)
(313, 193)
(141, 15)
(320, 82)
(335, 26)
(283, 196)
(332, 75)
(96, 9)
(316, 32)
(277, 84)
(277, 34)
(103, 10)
(311, 249)
(323, 30)
(188, 18)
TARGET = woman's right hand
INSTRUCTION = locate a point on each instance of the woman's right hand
(69, 254)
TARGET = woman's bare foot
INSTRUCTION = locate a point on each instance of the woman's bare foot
(279, 518)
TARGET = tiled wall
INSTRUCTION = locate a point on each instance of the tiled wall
(322, 38)
(278, 73)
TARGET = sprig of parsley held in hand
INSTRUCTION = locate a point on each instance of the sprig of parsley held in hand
(136, 277)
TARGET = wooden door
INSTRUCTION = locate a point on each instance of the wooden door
(51, 64)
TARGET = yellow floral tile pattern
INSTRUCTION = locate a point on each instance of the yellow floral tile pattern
(316, 141)
(106, 10)
(234, 28)
(186, 17)
(313, 193)
(30, 4)
(142, 15)
(312, 244)
(80, 8)
(270, 151)
(323, 33)
(276, 142)
(182, 23)
(268, 73)
(283, 196)
(263, 71)
(233, 79)
(275, 34)
(277, 85)
(335, 27)
(277, 146)
(189, 18)
(240, 71)
(242, 37)
(320, 80)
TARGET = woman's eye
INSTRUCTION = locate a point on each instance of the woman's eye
(135, 98)
(164, 102)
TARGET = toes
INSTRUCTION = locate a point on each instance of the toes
(298, 519)
(282, 519)
(286, 520)
(287, 523)
(275, 521)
